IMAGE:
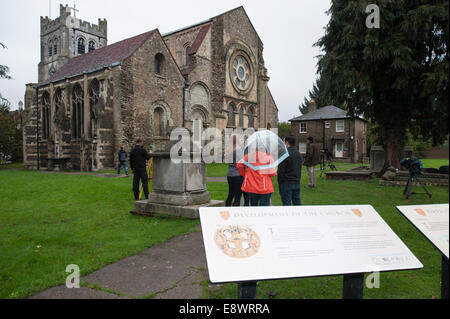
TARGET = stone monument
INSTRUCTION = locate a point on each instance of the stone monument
(179, 189)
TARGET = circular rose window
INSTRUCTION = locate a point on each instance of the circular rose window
(240, 72)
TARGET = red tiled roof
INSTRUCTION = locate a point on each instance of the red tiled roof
(98, 59)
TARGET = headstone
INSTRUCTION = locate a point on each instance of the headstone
(377, 158)
(178, 189)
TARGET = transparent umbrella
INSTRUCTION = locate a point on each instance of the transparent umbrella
(264, 151)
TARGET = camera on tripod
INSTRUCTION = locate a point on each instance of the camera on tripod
(415, 168)
(413, 164)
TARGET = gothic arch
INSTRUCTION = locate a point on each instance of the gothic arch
(81, 45)
(161, 118)
(200, 94)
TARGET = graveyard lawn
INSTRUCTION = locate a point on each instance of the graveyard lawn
(51, 220)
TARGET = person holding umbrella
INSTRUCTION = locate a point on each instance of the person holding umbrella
(262, 150)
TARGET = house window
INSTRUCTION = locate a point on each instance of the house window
(231, 115)
(55, 46)
(81, 46)
(94, 97)
(158, 121)
(340, 126)
(241, 117)
(327, 124)
(91, 46)
(159, 60)
(77, 112)
(250, 117)
(187, 54)
(58, 100)
(303, 128)
(302, 147)
(45, 115)
(50, 48)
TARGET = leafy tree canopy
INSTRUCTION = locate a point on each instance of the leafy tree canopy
(396, 75)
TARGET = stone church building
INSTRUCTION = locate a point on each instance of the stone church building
(94, 98)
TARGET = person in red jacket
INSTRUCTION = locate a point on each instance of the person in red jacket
(257, 182)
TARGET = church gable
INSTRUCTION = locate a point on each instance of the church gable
(156, 91)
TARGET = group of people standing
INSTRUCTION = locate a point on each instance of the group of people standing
(256, 185)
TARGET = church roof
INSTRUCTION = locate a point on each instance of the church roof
(324, 113)
(110, 55)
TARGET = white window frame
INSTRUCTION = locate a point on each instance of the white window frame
(327, 124)
(302, 147)
(306, 128)
(343, 126)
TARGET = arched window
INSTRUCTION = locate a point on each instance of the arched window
(159, 63)
(241, 116)
(158, 121)
(187, 54)
(231, 115)
(50, 48)
(55, 46)
(45, 115)
(250, 117)
(58, 100)
(77, 111)
(81, 46)
(94, 97)
(91, 46)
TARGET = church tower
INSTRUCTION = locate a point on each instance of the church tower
(67, 37)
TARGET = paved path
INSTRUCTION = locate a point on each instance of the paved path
(172, 270)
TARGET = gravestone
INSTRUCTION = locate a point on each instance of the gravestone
(377, 157)
(179, 189)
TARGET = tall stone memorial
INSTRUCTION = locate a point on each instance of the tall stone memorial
(179, 189)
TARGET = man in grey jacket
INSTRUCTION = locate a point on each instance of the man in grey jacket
(312, 158)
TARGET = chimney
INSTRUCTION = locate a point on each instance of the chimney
(312, 106)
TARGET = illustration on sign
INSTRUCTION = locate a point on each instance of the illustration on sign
(237, 241)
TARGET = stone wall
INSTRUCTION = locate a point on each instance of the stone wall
(91, 151)
(144, 93)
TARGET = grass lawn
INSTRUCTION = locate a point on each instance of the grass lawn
(48, 221)
(51, 220)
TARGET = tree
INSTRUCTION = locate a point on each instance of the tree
(284, 129)
(396, 75)
(320, 94)
(10, 136)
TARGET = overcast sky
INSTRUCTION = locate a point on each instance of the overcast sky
(288, 29)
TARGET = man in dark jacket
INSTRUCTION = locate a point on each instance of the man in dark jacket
(138, 164)
(312, 158)
(289, 174)
(122, 161)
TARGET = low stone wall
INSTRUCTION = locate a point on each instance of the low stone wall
(351, 174)
(428, 179)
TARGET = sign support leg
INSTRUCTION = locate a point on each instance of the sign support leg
(353, 286)
(247, 290)
(444, 278)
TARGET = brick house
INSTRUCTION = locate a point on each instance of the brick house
(93, 98)
(332, 128)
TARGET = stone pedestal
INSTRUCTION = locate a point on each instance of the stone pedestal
(178, 189)
(377, 158)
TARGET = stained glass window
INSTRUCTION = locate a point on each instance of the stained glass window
(240, 72)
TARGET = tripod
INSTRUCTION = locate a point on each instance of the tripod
(326, 160)
(414, 176)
